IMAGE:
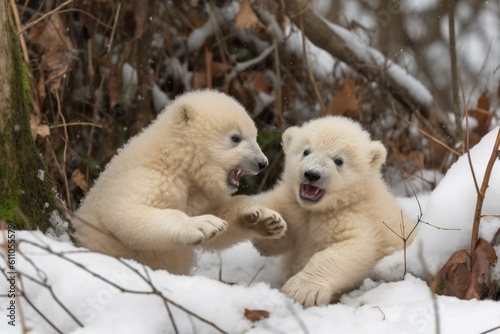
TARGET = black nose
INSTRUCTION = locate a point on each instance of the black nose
(312, 175)
(262, 165)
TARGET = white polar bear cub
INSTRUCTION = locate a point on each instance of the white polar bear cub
(335, 203)
(169, 189)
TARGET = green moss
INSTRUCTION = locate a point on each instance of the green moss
(441, 287)
(26, 199)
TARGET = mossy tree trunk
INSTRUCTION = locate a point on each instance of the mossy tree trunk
(26, 196)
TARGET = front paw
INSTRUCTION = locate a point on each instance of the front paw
(306, 292)
(202, 228)
(266, 222)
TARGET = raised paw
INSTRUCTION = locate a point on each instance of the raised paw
(266, 222)
(203, 228)
(306, 292)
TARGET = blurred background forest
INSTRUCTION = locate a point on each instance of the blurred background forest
(101, 70)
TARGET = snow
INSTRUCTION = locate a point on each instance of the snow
(95, 297)
(322, 63)
(367, 54)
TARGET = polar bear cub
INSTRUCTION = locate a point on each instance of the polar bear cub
(335, 203)
(168, 191)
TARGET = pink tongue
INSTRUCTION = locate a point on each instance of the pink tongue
(311, 191)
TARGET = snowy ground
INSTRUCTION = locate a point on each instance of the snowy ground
(93, 296)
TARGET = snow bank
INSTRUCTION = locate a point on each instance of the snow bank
(451, 206)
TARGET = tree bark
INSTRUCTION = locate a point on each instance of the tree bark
(26, 196)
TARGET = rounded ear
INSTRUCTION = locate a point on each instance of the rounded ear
(378, 154)
(183, 114)
(287, 136)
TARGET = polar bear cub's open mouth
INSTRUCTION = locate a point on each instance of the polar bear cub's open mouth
(233, 178)
(311, 193)
(245, 167)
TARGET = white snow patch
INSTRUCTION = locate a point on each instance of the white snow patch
(451, 206)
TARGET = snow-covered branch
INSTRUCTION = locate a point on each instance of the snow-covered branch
(371, 63)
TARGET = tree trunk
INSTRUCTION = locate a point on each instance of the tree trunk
(27, 198)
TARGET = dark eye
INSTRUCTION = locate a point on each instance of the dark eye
(236, 139)
(339, 161)
(306, 153)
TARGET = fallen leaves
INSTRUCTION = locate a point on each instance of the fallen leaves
(345, 102)
(246, 16)
(58, 57)
(37, 128)
(455, 278)
(256, 315)
(483, 116)
(80, 180)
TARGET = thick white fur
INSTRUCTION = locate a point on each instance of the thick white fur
(167, 190)
(332, 244)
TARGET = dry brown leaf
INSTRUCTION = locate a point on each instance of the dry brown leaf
(80, 180)
(482, 114)
(246, 17)
(345, 103)
(259, 81)
(38, 129)
(463, 283)
(483, 259)
(220, 68)
(256, 315)
(58, 57)
(455, 275)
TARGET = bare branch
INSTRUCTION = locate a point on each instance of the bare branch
(41, 18)
(454, 68)
(144, 277)
(482, 193)
(328, 37)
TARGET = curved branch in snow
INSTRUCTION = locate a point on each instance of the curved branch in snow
(371, 63)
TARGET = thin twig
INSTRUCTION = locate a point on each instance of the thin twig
(52, 293)
(490, 330)
(111, 38)
(482, 193)
(256, 274)
(75, 124)
(170, 315)
(29, 25)
(467, 134)
(406, 238)
(454, 68)
(425, 134)
(251, 62)
(309, 70)
(40, 313)
(65, 150)
(278, 104)
(154, 290)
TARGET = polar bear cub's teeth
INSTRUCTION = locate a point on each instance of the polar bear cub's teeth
(310, 192)
(234, 177)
